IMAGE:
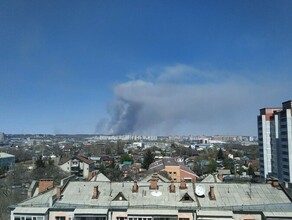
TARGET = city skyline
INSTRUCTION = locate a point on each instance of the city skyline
(145, 68)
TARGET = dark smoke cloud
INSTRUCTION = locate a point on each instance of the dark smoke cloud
(201, 106)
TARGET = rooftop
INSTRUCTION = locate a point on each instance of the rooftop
(228, 196)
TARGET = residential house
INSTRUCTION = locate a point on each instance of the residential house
(176, 170)
(7, 161)
(78, 165)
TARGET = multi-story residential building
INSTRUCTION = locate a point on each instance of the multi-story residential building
(275, 142)
(156, 200)
(2, 137)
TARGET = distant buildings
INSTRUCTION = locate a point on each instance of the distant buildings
(275, 142)
(2, 137)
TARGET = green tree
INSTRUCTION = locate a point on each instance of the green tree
(148, 159)
(229, 164)
(114, 174)
(250, 170)
(125, 157)
(220, 155)
(212, 166)
(120, 147)
(40, 163)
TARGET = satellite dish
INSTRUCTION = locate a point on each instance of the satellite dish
(156, 193)
(200, 190)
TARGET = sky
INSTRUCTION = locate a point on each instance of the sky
(152, 67)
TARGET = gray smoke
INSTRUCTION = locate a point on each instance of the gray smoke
(206, 105)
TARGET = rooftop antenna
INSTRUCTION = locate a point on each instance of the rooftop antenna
(111, 189)
(249, 193)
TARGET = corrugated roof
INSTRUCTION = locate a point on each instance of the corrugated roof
(84, 159)
(63, 160)
(5, 155)
(30, 210)
(90, 211)
(229, 197)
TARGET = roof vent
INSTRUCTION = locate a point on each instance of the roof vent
(212, 193)
(95, 192)
(135, 187)
(183, 184)
(153, 183)
(58, 192)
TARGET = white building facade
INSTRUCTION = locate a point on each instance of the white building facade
(275, 142)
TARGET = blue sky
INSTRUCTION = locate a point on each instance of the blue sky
(142, 67)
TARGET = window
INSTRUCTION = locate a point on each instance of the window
(174, 173)
(90, 218)
(28, 218)
(60, 218)
(165, 218)
(140, 217)
(186, 198)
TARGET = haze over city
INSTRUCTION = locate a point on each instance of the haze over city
(142, 67)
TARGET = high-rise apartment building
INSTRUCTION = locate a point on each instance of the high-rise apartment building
(275, 142)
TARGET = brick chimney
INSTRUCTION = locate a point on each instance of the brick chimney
(58, 192)
(212, 193)
(153, 183)
(183, 184)
(172, 187)
(45, 184)
(275, 183)
(135, 187)
(95, 192)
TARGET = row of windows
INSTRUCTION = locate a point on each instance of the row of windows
(156, 218)
(286, 173)
(28, 218)
(150, 218)
(90, 218)
(58, 218)
(285, 159)
(98, 218)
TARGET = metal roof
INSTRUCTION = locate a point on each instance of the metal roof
(30, 210)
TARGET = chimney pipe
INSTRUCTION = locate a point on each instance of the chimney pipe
(135, 187)
(153, 183)
(275, 183)
(172, 187)
(212, 193)
(183, 184)
(95, 192)
(58, 192)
